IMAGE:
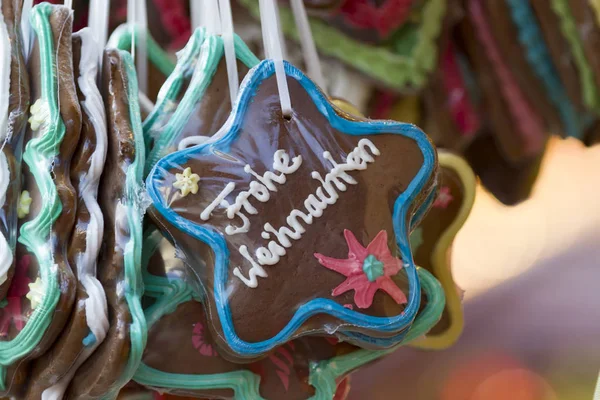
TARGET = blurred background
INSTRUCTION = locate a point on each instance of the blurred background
(530, 274)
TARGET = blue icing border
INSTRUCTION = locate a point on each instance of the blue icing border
(539, 59)
(223, 139)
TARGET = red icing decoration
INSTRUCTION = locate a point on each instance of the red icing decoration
(444, 198)
(357, 280)
(175, 20)
(459, 104)
(12, 312)
(525, 117)
(282, 359)
(384, 19)
(205, 349)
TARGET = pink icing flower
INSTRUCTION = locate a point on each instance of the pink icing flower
(198, 341)
(444, 198)
(367, 270)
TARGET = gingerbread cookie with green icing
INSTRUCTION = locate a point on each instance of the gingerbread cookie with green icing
(403, 60)
(88, 323)
(43, 287)
(115, 360)
(314, 211)
(206, 104)
(160, 63)
(14, 81)
(432, 242)
(178, 331)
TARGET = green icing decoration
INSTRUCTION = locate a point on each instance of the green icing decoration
(591, 96)
(35, 234)
(396, 70)
(211, 54)
(121, 39)
(171, 89)
(324, 376)
(372, 267)
(134, 289)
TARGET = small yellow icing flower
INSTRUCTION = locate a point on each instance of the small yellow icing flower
(24, 204)
(186, 182)
(36, 292)
(40, 112)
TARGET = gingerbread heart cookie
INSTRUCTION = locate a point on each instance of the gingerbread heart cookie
(178, 331)
(43, 289)
(14, 81)
(88, 323)
(432, 241)
(233, 203)
(205, 105)
(114, 362)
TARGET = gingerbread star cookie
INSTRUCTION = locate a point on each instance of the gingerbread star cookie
(313, 211)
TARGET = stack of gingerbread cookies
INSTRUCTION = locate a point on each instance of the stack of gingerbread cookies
(216, 245)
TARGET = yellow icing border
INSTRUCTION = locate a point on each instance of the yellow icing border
(440, 259)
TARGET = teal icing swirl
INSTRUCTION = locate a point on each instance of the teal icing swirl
(121, 39)
(134, 288)
(325, 375)
(35, 234)
(539, 59)
(170, 90)
(211, 54)
(398, 71)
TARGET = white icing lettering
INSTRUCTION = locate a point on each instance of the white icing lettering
(314, 204)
